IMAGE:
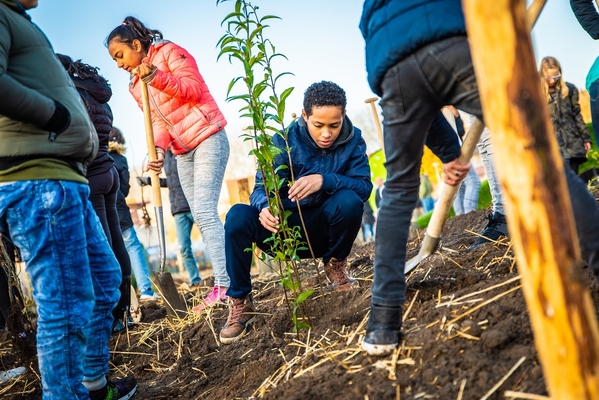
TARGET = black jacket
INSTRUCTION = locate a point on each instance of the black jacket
(122, 167)
(175, 191)
(587, 16)
(95, 96)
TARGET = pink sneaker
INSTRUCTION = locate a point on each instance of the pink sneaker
(217, 297)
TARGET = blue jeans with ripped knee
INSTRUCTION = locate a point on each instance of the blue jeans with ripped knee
(74, 275)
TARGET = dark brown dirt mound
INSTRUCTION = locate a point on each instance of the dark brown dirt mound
(466, 326)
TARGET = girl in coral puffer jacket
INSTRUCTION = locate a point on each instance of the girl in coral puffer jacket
(186, 117)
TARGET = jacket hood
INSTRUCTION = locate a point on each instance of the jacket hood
(346, 134)
(114, 147)
(99, 90)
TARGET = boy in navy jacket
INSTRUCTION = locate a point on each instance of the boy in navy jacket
(332, 183)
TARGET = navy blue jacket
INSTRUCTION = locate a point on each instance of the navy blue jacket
(95, 96)
(393, 29)
(585, 12)
(122, 167)
(344, 165)
(178, 201)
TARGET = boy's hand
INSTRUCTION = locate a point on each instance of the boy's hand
(454, 172)
(268, 221)
(305, 186)
(144, 70)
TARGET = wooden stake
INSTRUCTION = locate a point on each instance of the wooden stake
(377, 122)
(530, 170)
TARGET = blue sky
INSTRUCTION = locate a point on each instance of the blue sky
(320, 38)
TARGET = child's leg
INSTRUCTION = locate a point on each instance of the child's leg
(201, 173)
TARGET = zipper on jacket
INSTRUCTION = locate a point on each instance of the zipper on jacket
(167, 121)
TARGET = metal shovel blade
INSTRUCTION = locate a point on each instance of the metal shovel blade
(175, 306)
(429, 246)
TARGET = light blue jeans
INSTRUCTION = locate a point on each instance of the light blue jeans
(75, 278)
(201, 172)
(467, 197)
(485, 148)
(139, 264)
(183, 225)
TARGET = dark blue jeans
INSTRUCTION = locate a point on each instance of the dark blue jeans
(75, 278)
(414, 90)
(332, 229)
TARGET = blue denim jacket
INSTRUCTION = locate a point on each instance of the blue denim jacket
(343, 166)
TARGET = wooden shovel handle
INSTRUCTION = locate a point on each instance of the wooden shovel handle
(443, 205)
(156, 195)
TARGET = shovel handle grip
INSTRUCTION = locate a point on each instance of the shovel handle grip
(443, 205)
(156, 195)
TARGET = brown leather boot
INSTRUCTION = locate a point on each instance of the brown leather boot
(336, 272)
(241, 314)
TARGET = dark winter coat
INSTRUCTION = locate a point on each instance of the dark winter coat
(95, 96)
(179, 203)
(570, 129)
(393, 29)
(343, 166)
(31, 80)
(587, 16)
(368, 216)
(122, 167)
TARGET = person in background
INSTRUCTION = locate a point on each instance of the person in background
(425, 193)
(587, 16)
(139, 263)
(466, 199)
(183, 223)
(46, 142)
(186, 117)
(571, 131)
(332, 183)
(380, 185)
(417, 73)
(368, 221)
(101, 174)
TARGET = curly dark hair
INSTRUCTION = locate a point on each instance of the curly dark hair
(130, 29)
(80, 69)
(322, 94)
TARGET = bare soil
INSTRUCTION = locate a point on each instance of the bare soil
(454, 345)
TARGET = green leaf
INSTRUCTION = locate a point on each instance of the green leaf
(304, 296)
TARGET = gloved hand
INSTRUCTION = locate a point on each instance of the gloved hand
(59, 122)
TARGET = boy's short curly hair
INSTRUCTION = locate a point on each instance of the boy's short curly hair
(324, 93)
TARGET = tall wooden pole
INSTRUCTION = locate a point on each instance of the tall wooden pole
(530, 169)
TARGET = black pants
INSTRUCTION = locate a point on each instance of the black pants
(103, 192)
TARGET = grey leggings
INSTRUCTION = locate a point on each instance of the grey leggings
(201, 172)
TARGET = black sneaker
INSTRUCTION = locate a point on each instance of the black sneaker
(496, 228)
(122, 389)
(383, 332)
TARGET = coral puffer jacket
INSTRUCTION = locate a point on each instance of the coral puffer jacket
(184, 112)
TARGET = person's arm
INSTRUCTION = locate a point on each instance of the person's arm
(124, 178)
(183, 80)
(24, 104)
(587, 16)
(356, 177)
(443, 140)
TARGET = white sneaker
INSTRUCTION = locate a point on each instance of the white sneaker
(154, 296)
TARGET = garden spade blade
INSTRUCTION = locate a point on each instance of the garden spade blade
(443, 205)
(175, 306)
